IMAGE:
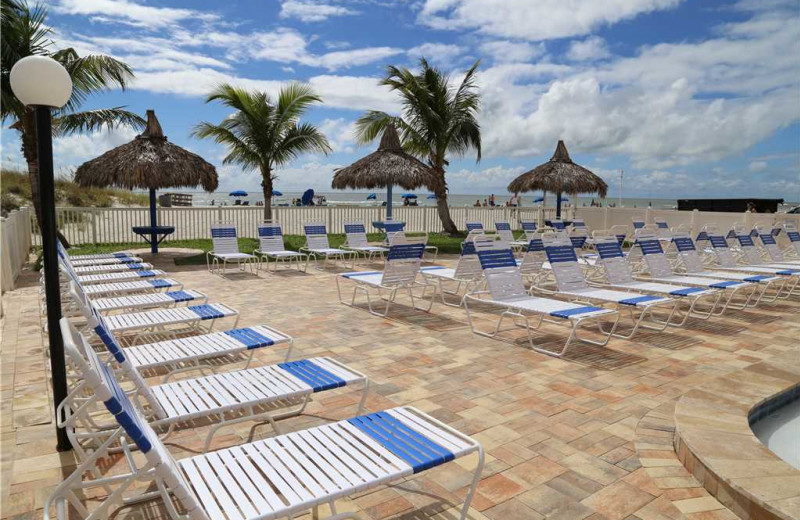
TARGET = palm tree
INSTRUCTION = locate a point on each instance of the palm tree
(264, 135)
(24, 33)
(436, 119)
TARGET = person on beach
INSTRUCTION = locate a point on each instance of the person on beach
(491, 200)
(477, 204)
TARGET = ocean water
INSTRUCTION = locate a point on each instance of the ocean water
(349, 197)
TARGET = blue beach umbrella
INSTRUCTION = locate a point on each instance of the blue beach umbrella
(237, 193)
(372, 196)
(538, 199)
(408, 196)
(276, 193)
(308, 196)
(431, 196)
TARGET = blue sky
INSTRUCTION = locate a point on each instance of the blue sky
(689, 97)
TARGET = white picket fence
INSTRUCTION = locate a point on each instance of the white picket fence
(114, 225)
(16, 244)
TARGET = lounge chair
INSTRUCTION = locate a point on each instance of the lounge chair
(466, 274)
(225, 243)
(794, 239)
(692, 264)
(662, 228)
(271, 247)
(579, 223)
(266, 393)
(728, 262)
(105, 278)
(532, 265)
(529, 227)
(317, 246)
(118, 255)
(111, 268)
(571, 283)
(393, 229)
(505, 290)
(357, 241)
(503, 230)
(203, 352)
(400, 275)
(106, 261)
(618, 275)
(638, 224)
(170, 321)
(558, 225)
(474, 225)
(140, 286)
(280, 477)
(770, 245)
(660, 270)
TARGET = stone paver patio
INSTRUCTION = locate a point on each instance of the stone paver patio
(586, 437)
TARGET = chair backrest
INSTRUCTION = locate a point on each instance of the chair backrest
(474, 226)
(224, 238)
(792, 234)
(612, 259)
(620, 232)
(403, 260)
(558, 224)
(702, 236)
(771, 246)
(564, 263)
(270, 237)
(719, 244)
(638, 223)
(316, 235)
(687, 253)
(468, 266)
(579, 223)
(529, 227)
(503, 228)
(392, 228)
(534, 256)
(650, 248)
(578, 237)
(503, 277)
(104, 386)
(66, 263)
(749, 250)
(356, 234)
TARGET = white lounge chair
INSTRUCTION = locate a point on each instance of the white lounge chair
(503, 230)
(466, 274)
(357, 241)
(770, 245)
(118, 255)
(393, 229)
(618, 275)
(111, 268)
(727, 262)
(317, 246)
(225, 243)
(579, 223)
(273, 478)
(106, 261)
(794, 239)
(693, 266)
(506, 291)
(660, 270)
(140, 286)
(529, 227)
(572, 284)
(266, 393)
(399, 275)
(271, 247)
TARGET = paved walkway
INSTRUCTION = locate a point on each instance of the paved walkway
(587, 437)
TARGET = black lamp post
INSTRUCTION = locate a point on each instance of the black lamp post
(43, 84)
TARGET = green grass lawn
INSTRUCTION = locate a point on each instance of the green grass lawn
(445, 243)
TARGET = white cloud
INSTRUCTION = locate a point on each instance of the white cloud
(535, 21)
(340, 133)
(592, 48)
(71, 151)
(505, 51)
(312, 11)
(125, 11)
(436, 52)
(758, 166)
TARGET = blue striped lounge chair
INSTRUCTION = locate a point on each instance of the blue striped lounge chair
(474, 225)
(357, 241)
(317, 246)
(638, 224)
(202, 352)
(399, 275)
(168, 322)
(106, 261)
(693, 265)
(728, 262)
(466, 274)
(793, 236)
(395, 229)
(505, 290)
(265, 393)
(276, 478)
(503, 230)
(558, 225)
(225, 244)
(532, 265)
(529, 227)
(271, 247)
(579, 223)
(770, 245)
(618, 275)
(660, 270)
(117, 283)
(572, 284)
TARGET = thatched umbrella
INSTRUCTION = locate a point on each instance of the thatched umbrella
(148, 162)
(390, 165)
(559, 175)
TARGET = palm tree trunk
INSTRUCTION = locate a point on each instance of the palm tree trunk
(27, 130)
(441, 203)
(266, 185)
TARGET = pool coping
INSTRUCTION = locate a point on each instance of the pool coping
(714, 441)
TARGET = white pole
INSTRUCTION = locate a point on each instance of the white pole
(620, 187)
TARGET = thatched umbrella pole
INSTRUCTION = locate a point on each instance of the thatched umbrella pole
(148, 162)
(390, 165)
(559, 175)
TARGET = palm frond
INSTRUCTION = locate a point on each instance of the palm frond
(91, 120)
(92, 74)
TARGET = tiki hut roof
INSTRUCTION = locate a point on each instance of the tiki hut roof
(389, 166)
(149, 161)
(559, 175)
